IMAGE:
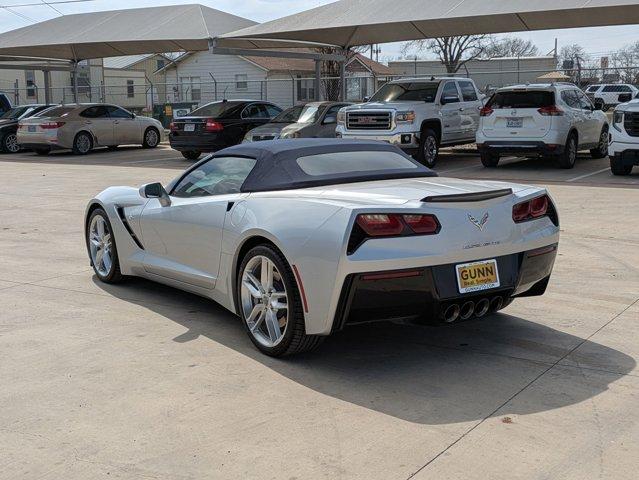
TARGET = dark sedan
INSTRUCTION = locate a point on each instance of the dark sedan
(9, 125)
(219, 125)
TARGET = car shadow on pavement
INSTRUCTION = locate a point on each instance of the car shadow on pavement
(425, 375)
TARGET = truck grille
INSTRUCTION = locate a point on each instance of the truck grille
(369, 120)
(631, 123)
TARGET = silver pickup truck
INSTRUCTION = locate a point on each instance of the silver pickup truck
(418, 115)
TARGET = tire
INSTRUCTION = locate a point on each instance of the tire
(9, 143)
(569, 156)
(151, 138)
(102, 240)
(272, 341)
(489, 160)
(428, 148)
(82, 144)
(618, 168)
(602, 149)
(42, 151)
(191, 155)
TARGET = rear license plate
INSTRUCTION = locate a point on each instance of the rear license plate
(514, 122)
(189, 127)
(32, 128)
(477, 276)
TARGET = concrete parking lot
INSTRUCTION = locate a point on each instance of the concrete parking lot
(141, 381)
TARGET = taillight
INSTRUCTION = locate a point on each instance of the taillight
(390, 224)
(422, 224)
(172, 126)
(213, 126)
(551, 111)
(51, 125)
(486, 112)
(536, 208)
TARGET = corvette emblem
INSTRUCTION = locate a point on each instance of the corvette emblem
(480, 224)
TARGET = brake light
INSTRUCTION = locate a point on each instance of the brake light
(381, 225)
(532, 209)
(51, 125)
(213, 126)
(551, 111)
(486, 112)
(422, 224)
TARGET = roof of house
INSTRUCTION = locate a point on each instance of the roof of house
(130, 60)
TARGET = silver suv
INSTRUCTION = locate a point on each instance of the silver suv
(418, 115)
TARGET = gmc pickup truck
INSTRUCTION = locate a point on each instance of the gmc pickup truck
(418, 115)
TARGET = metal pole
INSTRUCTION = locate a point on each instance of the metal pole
(318, 75)
(342, 80)
(75, 82)
(16, 92)
(47, 86)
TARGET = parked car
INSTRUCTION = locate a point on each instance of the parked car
(218, 125)
(550, 120)
(624, 138)
(82, 127)
(5, 103)
(9, 125)
(608, 96)
(313, 120)
(357, 232)
(418, 115)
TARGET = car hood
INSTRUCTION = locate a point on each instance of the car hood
(399, 106)
(269, 129)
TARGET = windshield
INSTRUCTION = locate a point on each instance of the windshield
(14, 113)
(407, 92)
(290, 115)
(214, 110)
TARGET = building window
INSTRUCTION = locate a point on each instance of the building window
(241, 81)
(305, 89)
(196, 89)
(161, 63)
(29, 76)
(191, 89)
(130, 89)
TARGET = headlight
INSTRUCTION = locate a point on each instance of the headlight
(405, 117)
(341, 117)
(617, 120)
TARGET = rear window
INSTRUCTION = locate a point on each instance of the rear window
(214, 109)
(57, 111)
(593, 88)
(337, 163)
(527, 99)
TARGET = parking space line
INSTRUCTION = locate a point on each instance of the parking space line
(148, 161)
(581, 177)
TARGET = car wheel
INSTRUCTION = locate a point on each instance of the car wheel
(191, 155)
(102, 249)
(428, 148)
(82, 144)
(151, 138)
(569, 156)
(602, 149)
(42, 151)
(270, 304)
(489, 160)
(9, 143)
(618, 168)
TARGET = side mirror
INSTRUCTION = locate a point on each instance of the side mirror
(366, 99)
(449, 99)
(155, 190)
(133, 115)
(329, 120)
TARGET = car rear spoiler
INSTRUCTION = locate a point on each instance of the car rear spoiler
(469, 197)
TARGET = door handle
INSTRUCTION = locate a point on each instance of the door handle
(88, 122)
(117, 122)
(461, 109)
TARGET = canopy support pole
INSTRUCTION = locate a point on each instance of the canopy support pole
(47, 86)
(342, 80)
(318, 76)
(75, 82)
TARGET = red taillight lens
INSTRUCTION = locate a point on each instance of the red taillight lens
(535, 208)
(51, 125)
(172, 127)
(213, 126)
(486, 112)
(551, 111)
(422, 224)
(381, 224)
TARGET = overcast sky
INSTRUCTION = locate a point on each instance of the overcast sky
(595, 40)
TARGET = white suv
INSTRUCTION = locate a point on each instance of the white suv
(550, 120)
(624, 138)
(607, 96)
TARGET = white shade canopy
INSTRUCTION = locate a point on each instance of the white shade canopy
(121, 32)
(349, 23)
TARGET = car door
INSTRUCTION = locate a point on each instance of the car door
(574, 114)
(183, 240)
(450, 112)
(328, 123)
(591, 118)
(471, 105)
(126, 128)
(96, 119)
(254, 115)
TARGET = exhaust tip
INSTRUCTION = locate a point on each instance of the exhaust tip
(482, 307)
(451, 314)
(496, 304)
(467, 310)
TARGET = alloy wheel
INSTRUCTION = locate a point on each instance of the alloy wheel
(430, 150)
(100, 245)
(151, 138)
(603, 143)
(83, 144)
(11, 143)
(264, 301)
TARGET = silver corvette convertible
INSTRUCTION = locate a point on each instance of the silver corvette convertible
(301, 238)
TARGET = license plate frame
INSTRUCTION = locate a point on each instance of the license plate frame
(31, 128)
(189, 127)
(489, 274)
(514, 122)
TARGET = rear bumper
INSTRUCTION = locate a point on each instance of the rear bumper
(211, 142)
(41, 146)
(519, 147)
(426, 293)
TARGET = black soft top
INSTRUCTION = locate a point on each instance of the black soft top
(277, 167)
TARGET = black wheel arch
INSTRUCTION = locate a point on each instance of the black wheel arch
(434, 125)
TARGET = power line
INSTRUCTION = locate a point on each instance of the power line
(46, 3)
(52, 7)
(18, 14)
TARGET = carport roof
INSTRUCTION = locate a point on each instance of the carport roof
(348, 23)
(122, 32)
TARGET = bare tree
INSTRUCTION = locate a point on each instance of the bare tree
(573, 59)
(331, 86)
(453, 52)
(511, 47)
(625, 61)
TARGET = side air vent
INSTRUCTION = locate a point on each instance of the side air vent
(122, 216)
(469, 197)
